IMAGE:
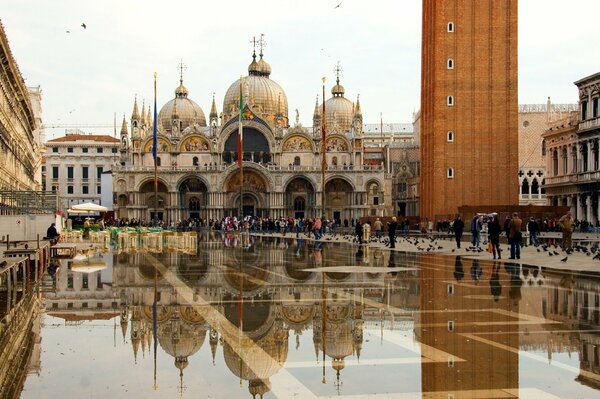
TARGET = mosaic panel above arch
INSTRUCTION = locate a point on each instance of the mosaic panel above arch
(252, 180)
(163, 145)
(297, 143)
(336, 144)
(194, 144)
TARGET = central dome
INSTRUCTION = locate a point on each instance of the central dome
(338, 111)
(180, 112)
(265, 97)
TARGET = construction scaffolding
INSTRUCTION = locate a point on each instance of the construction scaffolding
(29, 203)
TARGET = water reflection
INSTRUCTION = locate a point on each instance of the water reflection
(275, 315)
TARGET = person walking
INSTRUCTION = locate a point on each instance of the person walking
(494, 230)
(532, 228)
(392, 226)
(458, 226)
(358, 228)
(475, 231)
(515, 236)
(567, 224)
(378, 228)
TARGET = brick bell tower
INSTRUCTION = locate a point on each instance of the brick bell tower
(469, 106)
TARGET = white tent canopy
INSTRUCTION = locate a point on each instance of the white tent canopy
(89, 207)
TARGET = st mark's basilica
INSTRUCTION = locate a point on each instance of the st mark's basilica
(198, 174)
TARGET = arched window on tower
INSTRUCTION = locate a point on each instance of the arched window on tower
(450, 101)
(195, 161)
(450, 63)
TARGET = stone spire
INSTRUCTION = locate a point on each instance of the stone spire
(135, 114)
(143, 115)
(124, 127)
(213, 108)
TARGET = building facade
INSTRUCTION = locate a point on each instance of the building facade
(534, 121)
(75, 163)
(20, 127)
(469, 105)
(573, 160)
(198, 172)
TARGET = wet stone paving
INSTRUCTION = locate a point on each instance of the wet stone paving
(266, 317)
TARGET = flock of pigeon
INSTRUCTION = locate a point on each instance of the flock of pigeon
(431, 243)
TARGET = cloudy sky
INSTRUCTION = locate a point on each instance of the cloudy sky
(89, 74)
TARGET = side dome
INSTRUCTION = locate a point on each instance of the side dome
(180, 113)
(338, 111)
(266, 98)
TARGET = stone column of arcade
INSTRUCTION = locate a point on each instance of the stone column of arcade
(580, 207)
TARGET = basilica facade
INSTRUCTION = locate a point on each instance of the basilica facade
(198, 172)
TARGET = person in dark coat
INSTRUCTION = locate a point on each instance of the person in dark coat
(358, 228)
(392, 226)
(494, 230)
(458, 227)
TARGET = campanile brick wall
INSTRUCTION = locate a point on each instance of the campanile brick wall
(484, 117)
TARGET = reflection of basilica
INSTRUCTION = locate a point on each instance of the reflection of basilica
(246, 309)
(198, 173)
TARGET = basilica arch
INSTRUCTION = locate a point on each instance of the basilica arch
(339, 199)
(192, 193)
(255, 191)
(156, 206)
(300, 197)
(258, 141)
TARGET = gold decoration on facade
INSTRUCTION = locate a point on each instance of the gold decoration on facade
(194, 144)
(335, 144)
(297, 143)
(163, 145)
(252, 181)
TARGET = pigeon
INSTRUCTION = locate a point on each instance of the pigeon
(597, 256)
(338, 6)
(564, 259)
(68, 31)
(549, 253)
(83, 25)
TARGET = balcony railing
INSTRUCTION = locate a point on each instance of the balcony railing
(278, 168)
(589, 124)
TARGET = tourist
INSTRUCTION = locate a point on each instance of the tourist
(458, 225)
(358, 228)
(475, 231)
(567, 224)
(494, 230)
(532, 228)
(515, 236)
(392, 226)
(378, 228)
(52, 233)
(86, 228)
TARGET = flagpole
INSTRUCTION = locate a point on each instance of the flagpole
(154, 153)
(241, 156)
(323, 153)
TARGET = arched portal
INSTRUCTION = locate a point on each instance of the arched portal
(193, 198)
(338, 199)
(255, 192)
(300, 198)
(156, 205)
(255, 146)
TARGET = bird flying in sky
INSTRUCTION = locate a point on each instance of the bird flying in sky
(338, 6)
(83, 25)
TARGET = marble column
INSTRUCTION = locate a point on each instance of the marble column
(571, 203)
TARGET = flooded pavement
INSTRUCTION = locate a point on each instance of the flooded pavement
(271, 317)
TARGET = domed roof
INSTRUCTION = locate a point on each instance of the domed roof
(339, 111)
(180, 340)
(180, 108)
(266, 98)
(257, 364)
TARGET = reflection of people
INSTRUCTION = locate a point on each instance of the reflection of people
(495, 287)
(459, 272)
(359, 254)
(476, 271)
(392, 261)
